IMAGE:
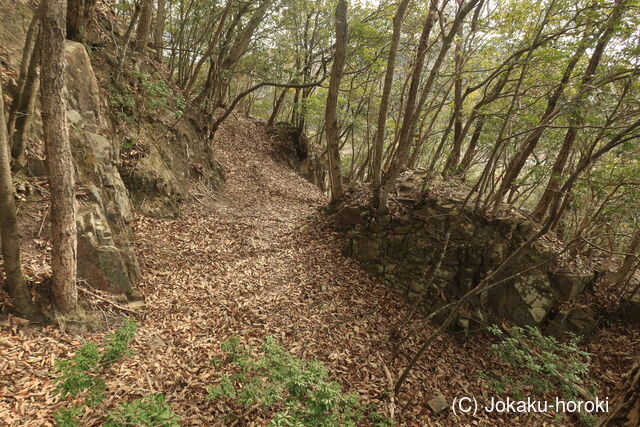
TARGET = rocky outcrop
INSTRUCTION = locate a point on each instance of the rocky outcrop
(105, 257)
(114, 177)
(295, 150)
(402, 249)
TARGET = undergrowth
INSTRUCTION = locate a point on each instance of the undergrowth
(542, 364)
(298, 392)
(81, 380)
(151, 94)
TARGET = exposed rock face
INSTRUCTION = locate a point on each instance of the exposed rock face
(105, 258)
(169, 161)
(112, 179)
(403, 250)
(100, 262)
(295, 150)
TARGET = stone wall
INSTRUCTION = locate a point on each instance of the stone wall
(403, 249)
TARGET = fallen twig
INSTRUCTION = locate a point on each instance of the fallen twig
(114, 304)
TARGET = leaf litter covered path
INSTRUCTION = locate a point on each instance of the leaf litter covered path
(261, 260)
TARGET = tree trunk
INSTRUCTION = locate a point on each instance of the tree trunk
(454, 155)
(59, 161)
(570, 137)
(27, 53)
(624, 409)
(405, 136)
(16, 285)
(630, 260)
(378, 145)
(79, 14)
(518, 161)
(25, 111)
(276, 108)
(144, 26)
(471, 149)
(409, 123)
(330, 117)
(212, 45)
(127, 40)
(228, 58)
(158, 30)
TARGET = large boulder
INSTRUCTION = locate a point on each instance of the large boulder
(100, 262)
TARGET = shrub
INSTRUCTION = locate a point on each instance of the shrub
(151, 410)
(79, 377)
(155, 95)
(298, 391)
(542, 364)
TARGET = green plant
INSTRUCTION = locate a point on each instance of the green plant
(543, 364)
(157, 93)
(76, 377)
(117, 344)
(151, 410)
(298, 391)
(154, 94)
(67, 417)
(122, 103)
(79, 377)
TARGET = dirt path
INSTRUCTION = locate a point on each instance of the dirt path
(264, 263)
(258, 261)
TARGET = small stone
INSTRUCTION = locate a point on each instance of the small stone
(438, 404)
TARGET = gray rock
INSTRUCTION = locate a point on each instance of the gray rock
(581, 320)
(100, 262)
(438, 404)
(631, 309)
(348, 216)
(570, 284)
(408, 250)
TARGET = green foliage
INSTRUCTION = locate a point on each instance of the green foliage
(117, 344)
(80, 377)
(298, 391)
(151, 410)
(76, 377)
(67, 417)
(154, 94)
(122, 103)
(542, 363)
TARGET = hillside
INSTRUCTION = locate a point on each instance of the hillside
(259, 259)
(310, 214)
